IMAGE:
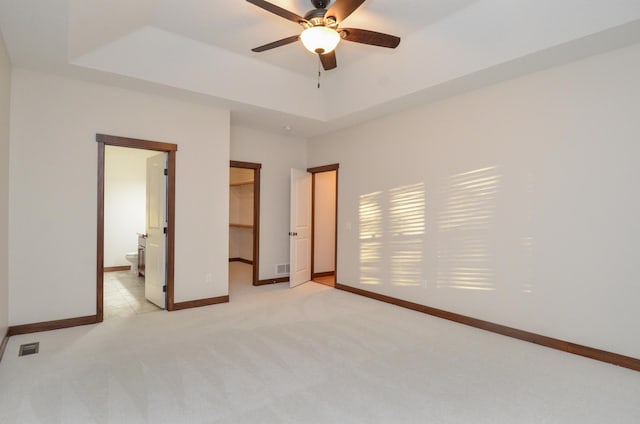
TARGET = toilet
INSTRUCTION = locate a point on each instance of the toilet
(132, 257)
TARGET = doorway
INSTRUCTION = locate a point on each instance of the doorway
(324, 219)
(244, 216)
(129, 235)
(166, 270)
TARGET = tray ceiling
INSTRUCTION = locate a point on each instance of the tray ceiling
(201, 51)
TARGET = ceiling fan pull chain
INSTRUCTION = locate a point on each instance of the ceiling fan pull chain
(319, 70)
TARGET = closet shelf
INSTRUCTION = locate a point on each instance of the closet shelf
(241, 184)
(240, 225)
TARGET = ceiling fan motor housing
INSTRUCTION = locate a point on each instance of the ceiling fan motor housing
(315, 15)
(320, 4)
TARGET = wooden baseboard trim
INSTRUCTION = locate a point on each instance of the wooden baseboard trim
(200, 302)
(117, 268)
(586, 351)
(243, 260)
(323, 274)
(52, 325)
(271, 281)
(3, 345)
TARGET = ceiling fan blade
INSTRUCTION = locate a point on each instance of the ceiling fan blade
(329, 60)
(341, 9)
(277, 10)
(275, 44)
(370, 37)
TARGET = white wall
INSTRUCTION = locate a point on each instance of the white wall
(241, 243)
(5, 89)
(325, 222)
(53, 168)
(517, 204)
(125, 175)
(277, 154)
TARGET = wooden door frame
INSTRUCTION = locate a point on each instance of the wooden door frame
(169, 148)
(314, 171)
(256, 215)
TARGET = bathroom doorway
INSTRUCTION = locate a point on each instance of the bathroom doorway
(136, 202)
(244, 221)
(324, 218)
(126, 231)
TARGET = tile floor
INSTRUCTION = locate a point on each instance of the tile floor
(124, 295)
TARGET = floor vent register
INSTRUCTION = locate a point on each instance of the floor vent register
(29, 349)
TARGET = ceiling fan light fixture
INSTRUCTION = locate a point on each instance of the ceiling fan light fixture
(320, 39)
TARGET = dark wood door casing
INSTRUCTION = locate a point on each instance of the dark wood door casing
(169, 148)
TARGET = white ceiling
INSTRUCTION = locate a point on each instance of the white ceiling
(200, 50)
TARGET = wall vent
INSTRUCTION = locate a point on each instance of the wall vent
(29, 349)
(282, 269)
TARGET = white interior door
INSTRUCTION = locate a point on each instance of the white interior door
(300, 233)
(155, 251)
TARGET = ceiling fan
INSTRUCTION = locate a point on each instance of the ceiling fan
(321, 33)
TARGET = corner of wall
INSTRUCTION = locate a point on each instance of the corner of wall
(5, 91)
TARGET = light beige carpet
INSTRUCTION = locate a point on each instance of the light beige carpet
(311, 354)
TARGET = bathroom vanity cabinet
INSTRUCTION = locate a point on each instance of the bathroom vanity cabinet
(142, 242)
